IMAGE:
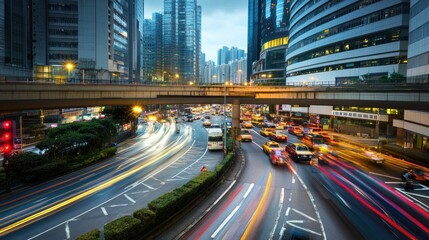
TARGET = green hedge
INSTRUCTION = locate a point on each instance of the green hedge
(92, 158)
(126, 227)
(146, 216)
(45, 171)
(167, 205)
(91, 235)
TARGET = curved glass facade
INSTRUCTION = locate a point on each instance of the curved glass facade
(333, 42)
(269, 68)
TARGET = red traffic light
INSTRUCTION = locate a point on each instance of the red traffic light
(7, 125)
(7, 148)
(7, 136)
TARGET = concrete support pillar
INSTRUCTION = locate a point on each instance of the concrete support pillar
(235, 118)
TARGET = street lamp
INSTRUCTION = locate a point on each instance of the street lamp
(191, 83)
(69, 67)
(136, 110)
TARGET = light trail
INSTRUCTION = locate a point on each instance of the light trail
(52, 209)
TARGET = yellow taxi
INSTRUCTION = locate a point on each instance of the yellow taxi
(270, 146)
(247, 124)
(207, 123)
(266, 131)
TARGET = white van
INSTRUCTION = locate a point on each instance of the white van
(215, 139)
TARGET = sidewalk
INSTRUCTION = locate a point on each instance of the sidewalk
(391, 148)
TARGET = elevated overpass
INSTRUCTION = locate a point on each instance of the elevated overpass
(18, 96)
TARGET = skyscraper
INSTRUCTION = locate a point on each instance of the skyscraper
(343, 42)
(102, 39)
(181, 40)
(152, 54)
(269, 30)
(15, 39)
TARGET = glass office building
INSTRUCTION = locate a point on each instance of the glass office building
(269, 28)
(344, 42)
(181, 40)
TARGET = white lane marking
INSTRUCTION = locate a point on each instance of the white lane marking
(290, 197)
(138, 192)
(232, 213)
(305, 215)
(119, 205)
(67, 230)
(129, 198)
(293, 179)
(291, 222)
(185, 170)
(248, 190)
(282, 194)
(313, 202)
(151, 188)
(383, 175)
(287, 211)
(108, 200)
(103, 209)
(412, 199)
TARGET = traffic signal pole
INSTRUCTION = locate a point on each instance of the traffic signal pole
(8, 135)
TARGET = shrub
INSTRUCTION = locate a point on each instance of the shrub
(45, 171)
(91, 235)
(146, 216)
(125, 227)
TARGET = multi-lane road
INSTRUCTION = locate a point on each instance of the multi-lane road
(155, 162)
(265, 202)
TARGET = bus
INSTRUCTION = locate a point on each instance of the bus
(215, 139)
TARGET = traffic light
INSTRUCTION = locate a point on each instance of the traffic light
(7, 136)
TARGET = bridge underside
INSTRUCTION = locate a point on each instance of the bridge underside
(19, 105)
(27, 96)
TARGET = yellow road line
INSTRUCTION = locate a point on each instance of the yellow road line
(258, 209)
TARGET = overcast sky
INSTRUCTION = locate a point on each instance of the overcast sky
(224, 23)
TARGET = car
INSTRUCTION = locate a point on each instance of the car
(265, 131)
(207, 123)
(269, 125)
(244, 136)
(190, 118)
(279, 157)
(299, 152)
(278, 136)
(270, 145)
(297, 131)
(314, 141)
(246, 124)
(215, 125)
(373, 156)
